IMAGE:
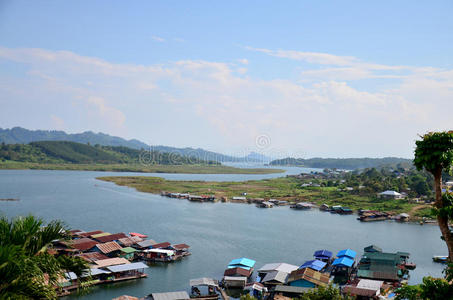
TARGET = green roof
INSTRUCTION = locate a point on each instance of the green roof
(128, 250)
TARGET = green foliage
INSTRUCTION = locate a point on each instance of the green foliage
(341, 163)
(58, 152)
(408, 292)
(324, 293)
(27, 270)
(247, 297)
(434, 151)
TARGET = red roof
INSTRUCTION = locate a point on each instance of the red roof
(162, 245)
(87, 234)
(143, 236)
(109, 247)
(181, 246)
(93, 256)
(237, 271)
(82, 244)
(112, 237)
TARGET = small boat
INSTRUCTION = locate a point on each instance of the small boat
(440, 259)
(410, 266)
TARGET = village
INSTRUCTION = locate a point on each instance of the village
(375, 275)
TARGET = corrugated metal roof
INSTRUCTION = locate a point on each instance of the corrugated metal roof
(82, 244)
(94, 272)
(166, 251)
(162, 245)
(315, 264)
(100, 234)
(89, 233)
(93, 256)
(234, 278)
(237, 271)
(356, 291)
(110, 262)
(275, 276)
(370, 284)
(372, 248)
(170, 296)
(281, 267)
(112, 237)
(347, 252)
(255, 286)
(126, 242)
(127, 267)
(128, 250)
(343, 261)
(291, 289)
(309, 275)
(242, 261)
(181, 246)
(204, 281)
(147, 243)
(108, 247)
(323, 254)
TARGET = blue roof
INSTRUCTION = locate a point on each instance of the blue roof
(322, 254)
(247, 262)
(343, 261)
(347, 252)
(315, 264)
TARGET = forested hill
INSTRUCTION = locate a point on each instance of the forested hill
(342, 163)
(19, 135)
(77, 153)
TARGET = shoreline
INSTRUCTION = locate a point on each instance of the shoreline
(280, 189)
(173, 169)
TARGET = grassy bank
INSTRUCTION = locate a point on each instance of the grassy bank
(188, 169)
(285, 188)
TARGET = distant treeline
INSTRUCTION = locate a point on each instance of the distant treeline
(342, 163)
(77, 153)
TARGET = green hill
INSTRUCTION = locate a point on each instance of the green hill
(77, 153)
(342, 163)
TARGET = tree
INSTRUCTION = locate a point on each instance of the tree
(27, 269)
(434, 152)
(430, 289)
(324, 293)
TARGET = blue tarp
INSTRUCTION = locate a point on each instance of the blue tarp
(315, 264)
(324, 254)
(347, 252)
(247, 262)
(343, 262)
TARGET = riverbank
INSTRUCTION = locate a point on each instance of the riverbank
(141, 168)
(284, 188)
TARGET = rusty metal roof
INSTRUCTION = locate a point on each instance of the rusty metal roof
(126, 241)
(111, 262)
(181, 246)
(90, 233)
(111, 237)
(309, 275)
(161, 245)
(82, 244)
(237, 271)
(109, 247)
(92, 256)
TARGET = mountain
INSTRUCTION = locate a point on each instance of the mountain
(19, 135)
(77, 153)
(341, 163)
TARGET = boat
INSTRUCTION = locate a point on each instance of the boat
(440, 259)
(410, 265)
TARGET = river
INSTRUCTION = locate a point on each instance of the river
(216, 232)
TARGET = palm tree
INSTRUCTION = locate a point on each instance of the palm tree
(27, 270)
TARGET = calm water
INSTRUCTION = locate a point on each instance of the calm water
(216, 232)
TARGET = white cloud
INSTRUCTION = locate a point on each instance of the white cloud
(157, 38)
(214, 105)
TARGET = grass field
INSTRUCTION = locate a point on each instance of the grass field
(284, 188)
(188, 169)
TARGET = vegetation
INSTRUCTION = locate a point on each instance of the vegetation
(341, 163)
(27, 270)
(430, 289)
(285, 188)
(434, 152)
(324, 293)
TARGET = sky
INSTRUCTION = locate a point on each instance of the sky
(283, 78)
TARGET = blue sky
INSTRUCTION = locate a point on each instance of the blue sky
(310, 78)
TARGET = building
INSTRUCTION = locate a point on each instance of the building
(390, 195)
(307, 278)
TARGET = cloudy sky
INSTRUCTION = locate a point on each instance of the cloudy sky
(286, 78)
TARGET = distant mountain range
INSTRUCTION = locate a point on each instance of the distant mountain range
(19, 135)
(342, 163)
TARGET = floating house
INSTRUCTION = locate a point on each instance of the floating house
(308, 278)
(290, 292)
(302, 206)
(157, 255)
(324, 207)
(245, 263)
(384, 266)
(129, 241)
(205, 288)
(110, 249)
(182, 295)
(82, 244)
(146, 244)
(344, 264)
(255, 289)
(128, 253)
(265, 204)
(372, 248)
(364, 289)
(274, 278)
(323, 255)
(315, 264)
(102, 263)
